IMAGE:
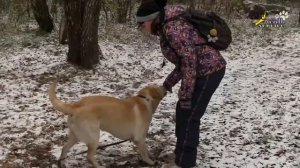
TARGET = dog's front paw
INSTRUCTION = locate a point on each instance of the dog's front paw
(61, 164)
(150, 154)
(149, 161)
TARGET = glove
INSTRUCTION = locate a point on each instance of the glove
(185, 105)
(167, 87)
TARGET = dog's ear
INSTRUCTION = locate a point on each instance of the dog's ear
(52, 79)
(155, 93)
(142, 92)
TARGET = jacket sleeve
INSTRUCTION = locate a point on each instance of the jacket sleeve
(180, 37)
(172, 79)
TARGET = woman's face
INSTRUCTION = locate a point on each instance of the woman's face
(146, 26)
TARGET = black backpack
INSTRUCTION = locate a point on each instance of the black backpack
(209, 25)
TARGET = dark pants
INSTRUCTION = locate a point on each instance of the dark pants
(188, 122)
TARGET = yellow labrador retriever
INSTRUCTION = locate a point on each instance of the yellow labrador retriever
(127, 118)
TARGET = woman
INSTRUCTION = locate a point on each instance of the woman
(199, 67)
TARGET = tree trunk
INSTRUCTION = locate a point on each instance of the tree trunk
(42, 15)
(28, 8)
(123, 8)
(103, 6)
(299, 17)
(63, 30)
(250, 6)
(192, 4)
(82, 23)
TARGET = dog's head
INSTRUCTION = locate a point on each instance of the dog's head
(153, 92)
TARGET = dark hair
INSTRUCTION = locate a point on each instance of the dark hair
(149, 9)
(161, 3)
(156, 25)
(157, 22)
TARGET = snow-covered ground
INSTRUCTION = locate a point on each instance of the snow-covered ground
(252, 121)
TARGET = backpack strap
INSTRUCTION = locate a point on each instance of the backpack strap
(184, 16)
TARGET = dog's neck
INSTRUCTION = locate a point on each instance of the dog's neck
(152, 103)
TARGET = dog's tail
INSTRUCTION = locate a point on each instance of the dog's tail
(58, 104)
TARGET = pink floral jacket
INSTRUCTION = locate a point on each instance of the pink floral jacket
(192, 60)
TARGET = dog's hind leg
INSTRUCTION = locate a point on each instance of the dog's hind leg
(71, 142)
(92, 147)
(90, 134)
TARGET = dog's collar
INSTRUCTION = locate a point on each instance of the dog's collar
(144, 97)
